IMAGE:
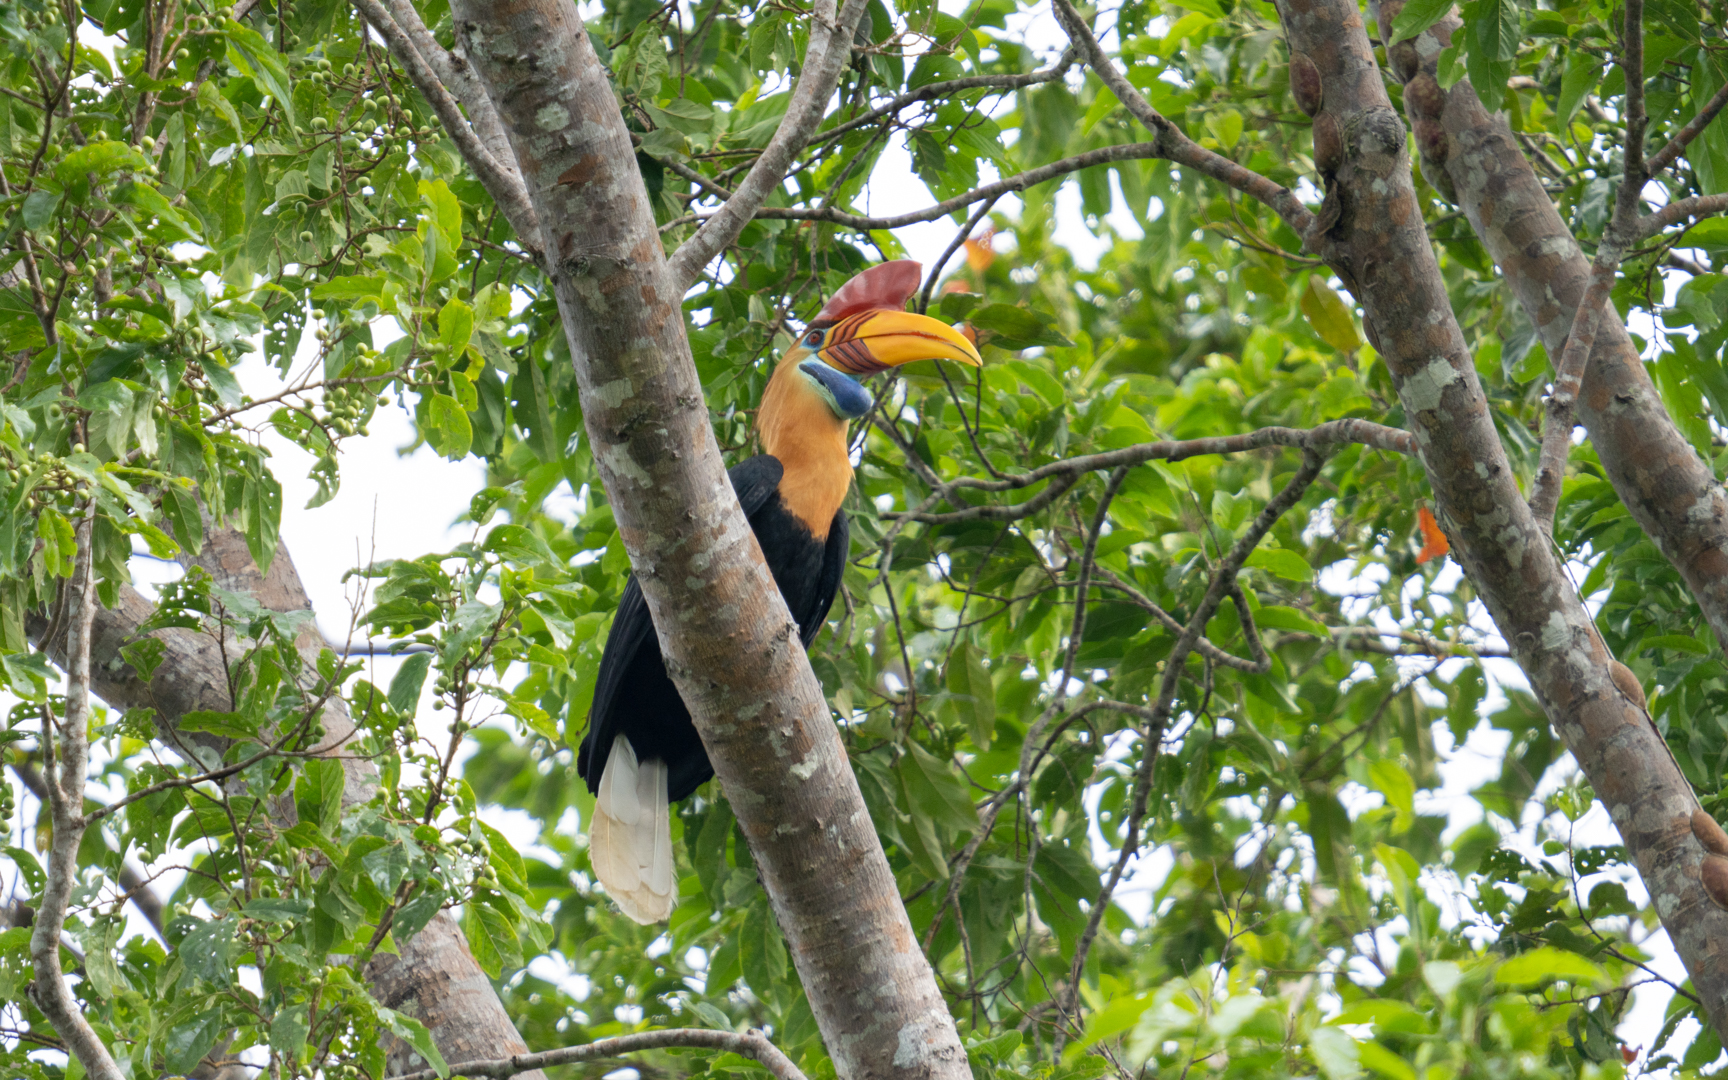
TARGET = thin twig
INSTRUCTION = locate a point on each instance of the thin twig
(1223, 579)
(1175, 145)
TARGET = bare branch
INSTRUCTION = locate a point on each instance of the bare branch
(1173, 143)
(1563, 399)
(1069, 470)
(66, 756)
(1697, 206)
(960, 237)
(752, 1044)
(948, 88)
(1669, 154)
(454, 73)
(994, 190)
(829, 52)
(1632, 62)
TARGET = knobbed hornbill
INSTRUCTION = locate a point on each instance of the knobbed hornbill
(642, 752)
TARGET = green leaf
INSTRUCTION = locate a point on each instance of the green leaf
(974, 695)
(1583, 74)
(349, 288)
(59, 544)
(277, 909)
(1016, 327)
(1542, 964)
(414, 1033)
(935, 791)
(446, 212)
(186, 1044)
(455, 325)
(491, 939)
(1278, 617)
(1283, 562)
(288, 1030)
(1335, 1052)
(180, 508)
(406, 683)
(207, 951)
(39, 208)
(1417, 16)
(255, 57)
(447, 427)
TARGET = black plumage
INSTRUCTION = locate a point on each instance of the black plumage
(633, 695)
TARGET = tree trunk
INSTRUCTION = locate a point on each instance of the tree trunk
(730, 643)
(1378, 246)
(1670, 491)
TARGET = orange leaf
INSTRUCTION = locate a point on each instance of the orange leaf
(979, 253)
(1434, 545)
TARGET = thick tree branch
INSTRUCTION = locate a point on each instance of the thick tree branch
(829, 52)
(1474, 156)
(65, 758)
(751, 1044)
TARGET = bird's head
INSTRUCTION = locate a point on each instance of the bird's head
(864, 329)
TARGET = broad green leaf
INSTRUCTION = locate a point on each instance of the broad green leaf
(974, 694)
(1547, 962)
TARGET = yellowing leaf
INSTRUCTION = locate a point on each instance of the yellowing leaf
(1330, 316)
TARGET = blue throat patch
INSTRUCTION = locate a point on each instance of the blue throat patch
(843, 394)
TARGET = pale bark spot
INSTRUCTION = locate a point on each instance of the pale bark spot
(553, 117)
(1424, 388)
(615, 393)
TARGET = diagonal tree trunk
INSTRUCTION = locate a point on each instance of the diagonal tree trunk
(1378, 246)
(1474, 158)
(730, 643)
(435, 979)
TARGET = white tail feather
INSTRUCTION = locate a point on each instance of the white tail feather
(630, 838)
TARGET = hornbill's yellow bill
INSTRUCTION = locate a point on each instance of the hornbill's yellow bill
(872, 341)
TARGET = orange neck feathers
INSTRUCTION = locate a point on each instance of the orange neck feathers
(798, 427)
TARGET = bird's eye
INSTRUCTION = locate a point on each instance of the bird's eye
(813, 339)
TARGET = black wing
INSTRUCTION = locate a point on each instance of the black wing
(834, 556)
(754, 479)
(632, 655)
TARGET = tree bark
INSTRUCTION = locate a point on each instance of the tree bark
(1475, 159)
(435, 980)
(730, 643)
(1379, 248)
